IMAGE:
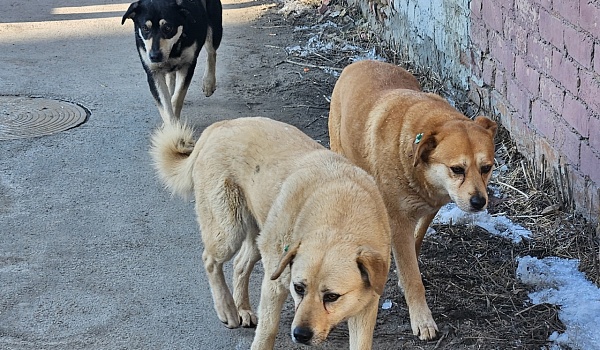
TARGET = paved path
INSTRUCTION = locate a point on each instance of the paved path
(94, 254)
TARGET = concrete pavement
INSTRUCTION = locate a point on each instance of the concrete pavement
(94, 254)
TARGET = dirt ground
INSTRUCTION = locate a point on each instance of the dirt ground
(469, 275)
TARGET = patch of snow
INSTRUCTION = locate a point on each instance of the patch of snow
(497, 225)
(366, 55)
(387, 304)
(558, 281)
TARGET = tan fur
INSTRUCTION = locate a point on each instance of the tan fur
(377, 111)
(263, 188)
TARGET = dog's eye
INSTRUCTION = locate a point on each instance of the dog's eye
(330, 297)
(458, 170)
(167, 28)
(486, 169)
(299, 289)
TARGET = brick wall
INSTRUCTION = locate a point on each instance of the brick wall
(534, 65)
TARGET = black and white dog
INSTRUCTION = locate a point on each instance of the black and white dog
(169, 35)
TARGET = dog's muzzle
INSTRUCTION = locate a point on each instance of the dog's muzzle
(477, 202)
(302, 335)
(155, 56)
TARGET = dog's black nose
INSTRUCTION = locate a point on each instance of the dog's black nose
(302, 335)
(155, 56)
(477, 202)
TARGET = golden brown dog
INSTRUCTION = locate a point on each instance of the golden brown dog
(263, 188)
(422, 152)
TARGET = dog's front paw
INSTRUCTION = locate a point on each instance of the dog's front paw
(228, 314)
(233, 322)
(248, 318)
(209, 85)
(423, 325)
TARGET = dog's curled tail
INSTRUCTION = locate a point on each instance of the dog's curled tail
(173, 154)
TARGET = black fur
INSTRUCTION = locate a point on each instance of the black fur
(156, 27)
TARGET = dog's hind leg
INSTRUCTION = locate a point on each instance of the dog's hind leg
(214, 10)
(242, 268)
(209, 81)
(223, 235)
(223, 301)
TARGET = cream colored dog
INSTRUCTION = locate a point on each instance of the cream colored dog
(422, 152)
(263, 188)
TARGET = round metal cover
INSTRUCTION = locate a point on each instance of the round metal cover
(24, 117)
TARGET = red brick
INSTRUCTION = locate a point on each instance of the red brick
(476, 9)
(579, 188)
(540, 53)
(472, 60)
(589, 17)
(492, 15)
(500, 108)
(595, 134)
(516, 34)
(501, 50)
(597, 58)
(500, 82)
(507, 5)
(579, 46)
(586, 195)
(590, 163)
(547, 4)
(479, 36)
(544, 119)
(565, 71)
(518, 98)
(567, 141)
(576, 114)
(568, 9)
(527, 76)
(526, 12)
(551, 93)
(489, 71)
(522, 134)
(552, 29)
(479, 95)
(590, 90)
(543, 151)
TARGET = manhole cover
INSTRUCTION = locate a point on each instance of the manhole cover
(24, 117)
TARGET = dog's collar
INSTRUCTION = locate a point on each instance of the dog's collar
(418, 138)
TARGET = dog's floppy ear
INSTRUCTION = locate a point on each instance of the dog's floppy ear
(373, 268)
(286, 259)
(487, 124)
(130, 12)
(423, 144)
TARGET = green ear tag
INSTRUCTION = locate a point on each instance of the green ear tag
(418, 138)
(285, 249)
